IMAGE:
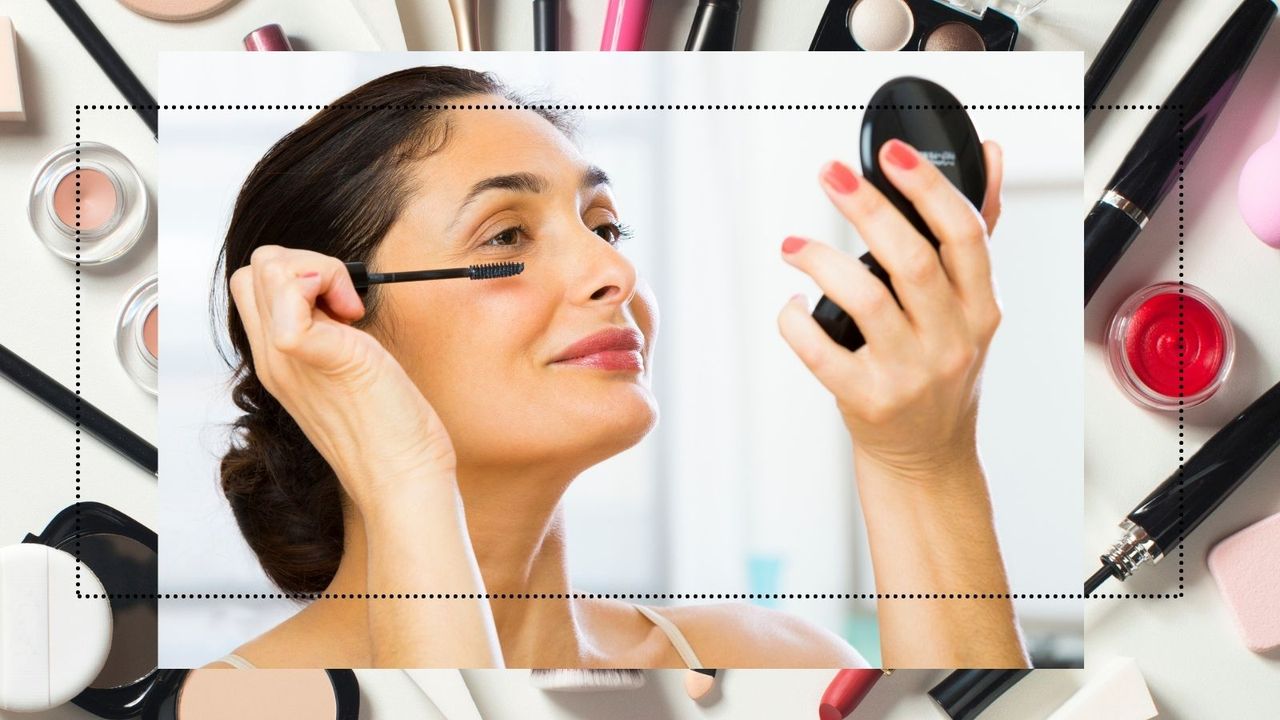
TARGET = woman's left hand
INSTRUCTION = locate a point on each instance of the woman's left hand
(909, 396)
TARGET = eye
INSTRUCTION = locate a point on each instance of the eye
(613, 233)
(507, 238)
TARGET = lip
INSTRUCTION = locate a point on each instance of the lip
(614, 348)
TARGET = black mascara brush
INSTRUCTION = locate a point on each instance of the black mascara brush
(362, 278)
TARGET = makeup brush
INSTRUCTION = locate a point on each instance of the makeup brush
(1114, 50)
(110, 62)
(77, 410)
(1152, 167)
(1179, 504)
(573, 680)
(362, 278)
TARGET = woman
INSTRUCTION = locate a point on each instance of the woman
(404, 456)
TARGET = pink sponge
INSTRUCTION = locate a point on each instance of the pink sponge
(1258, 197)
(1247, 568)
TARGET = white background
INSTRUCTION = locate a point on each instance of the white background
(750, 460)
(1196, 666)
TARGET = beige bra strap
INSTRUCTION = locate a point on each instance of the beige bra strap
(236, 661)
(673, 634)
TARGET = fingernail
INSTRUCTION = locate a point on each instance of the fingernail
(793, 244)
(840, 177)
(901, 154)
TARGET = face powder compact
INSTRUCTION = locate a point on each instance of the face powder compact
(88, 204)
(217, 693)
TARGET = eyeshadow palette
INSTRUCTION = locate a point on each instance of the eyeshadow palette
(911, 25)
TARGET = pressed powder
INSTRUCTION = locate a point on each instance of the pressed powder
(88, 203)
(96, 201)
(176, 10)
(954, 36)
(215, 694)
(151, 332)
(138, 334)
(881, 24)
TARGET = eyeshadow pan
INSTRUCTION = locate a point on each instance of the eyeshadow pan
(881, 24)
(97, 199)
(954, 36)
(214, 694)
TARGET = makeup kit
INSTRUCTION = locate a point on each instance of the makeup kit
(1169, 346)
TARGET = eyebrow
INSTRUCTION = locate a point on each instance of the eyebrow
(525, 182)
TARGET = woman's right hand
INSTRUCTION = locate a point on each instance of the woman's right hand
(353, 400)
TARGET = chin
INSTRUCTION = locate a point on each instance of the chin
(619, 419)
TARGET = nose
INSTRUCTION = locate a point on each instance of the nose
(607, 276)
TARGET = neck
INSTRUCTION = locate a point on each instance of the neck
(517, 532)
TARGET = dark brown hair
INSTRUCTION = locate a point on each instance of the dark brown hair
(334, 185)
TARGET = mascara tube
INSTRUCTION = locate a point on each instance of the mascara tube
(1179, 504)
(1170, 140)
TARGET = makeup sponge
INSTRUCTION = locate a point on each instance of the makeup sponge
(53, 639)
(1247, 569)
(1257, 192)
(1117, 692)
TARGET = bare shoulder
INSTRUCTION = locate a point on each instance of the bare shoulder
(738, 635)
(301, 641)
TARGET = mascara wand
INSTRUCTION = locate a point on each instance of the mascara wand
(362, 278)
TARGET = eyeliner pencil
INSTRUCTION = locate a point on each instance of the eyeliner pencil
(110, 62)
(546, 24)
(1179, 504)
(1115, 49)
(1170, 140)
(77, 410)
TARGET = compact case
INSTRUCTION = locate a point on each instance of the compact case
(926, 116)
(255, 694)
(121, 552)
(911, 25)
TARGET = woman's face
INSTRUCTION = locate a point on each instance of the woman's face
(496, 358)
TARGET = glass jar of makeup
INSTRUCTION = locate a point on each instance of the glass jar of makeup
(1170, 346)
(96, 192)
(138, 333)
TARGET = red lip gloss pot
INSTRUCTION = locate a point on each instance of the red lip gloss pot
(1170, 346)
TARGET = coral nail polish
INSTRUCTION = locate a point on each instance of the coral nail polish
(900, 154)
(840, 177)
(793, 244)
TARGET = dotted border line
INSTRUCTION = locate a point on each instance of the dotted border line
(1182, 346)
(79, 398)
(642, 596)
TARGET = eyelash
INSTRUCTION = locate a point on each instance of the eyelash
(618, 231)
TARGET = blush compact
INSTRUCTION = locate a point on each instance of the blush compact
(926, 116)
(879, 25)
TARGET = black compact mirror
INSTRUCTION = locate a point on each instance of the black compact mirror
(926, 116)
